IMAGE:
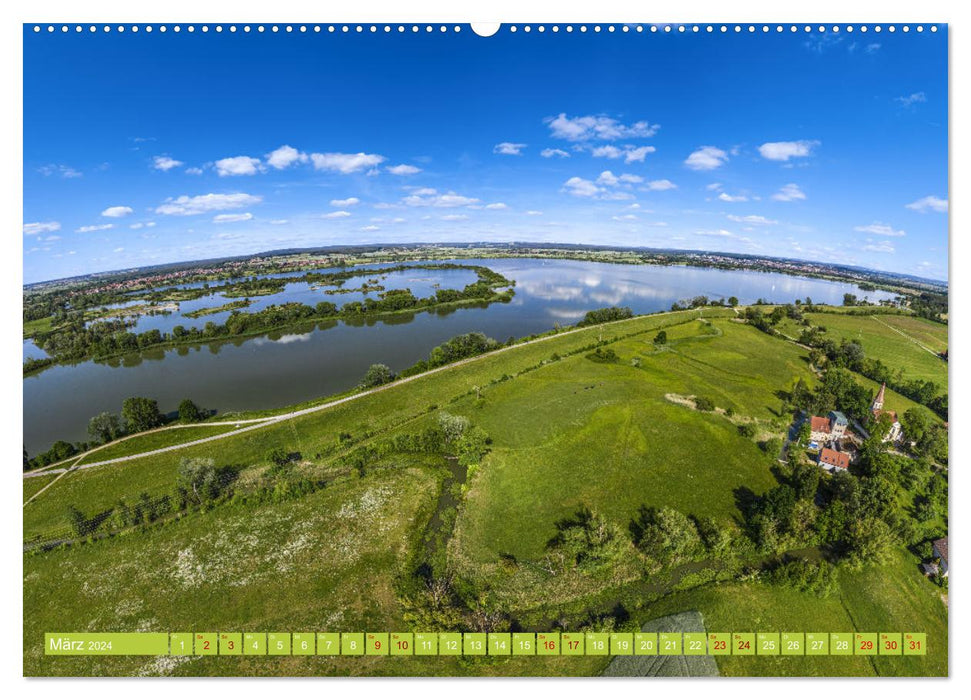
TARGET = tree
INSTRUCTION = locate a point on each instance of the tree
(198, 481)
(703, 403)
(377, 375)
(849, 299)
(587, 542)
(189, 412)
(141, 414)
(661, 338)
(664, 534)
(104, 427)
(452, 426)
(733, 301)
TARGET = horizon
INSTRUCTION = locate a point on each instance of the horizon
(829, 148)
(336, 248)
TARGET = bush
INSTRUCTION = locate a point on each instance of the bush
(376, 376)
(189, 412)
(605, 315)
(703, 403)
(746, 430)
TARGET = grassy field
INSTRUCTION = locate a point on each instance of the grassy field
(315, 433)
(614, 448)
(153, 441)
(566, 429)
(882, 341)
(891, 597)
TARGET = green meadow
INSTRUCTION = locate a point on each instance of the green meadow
(566, 428)
(892, 340)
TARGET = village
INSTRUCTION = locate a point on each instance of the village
(834, 441)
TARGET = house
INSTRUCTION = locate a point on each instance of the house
(831, 460)
(823, 429)
(940, 552)
(876, 409)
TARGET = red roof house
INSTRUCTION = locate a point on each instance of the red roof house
(832, 459)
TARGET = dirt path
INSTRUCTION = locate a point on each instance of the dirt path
(255, 423)
(910, 338)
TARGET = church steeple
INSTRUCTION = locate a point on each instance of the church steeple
(878, 401)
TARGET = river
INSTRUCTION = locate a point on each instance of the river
(279, 369)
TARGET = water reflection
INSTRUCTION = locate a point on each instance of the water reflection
(298, 364)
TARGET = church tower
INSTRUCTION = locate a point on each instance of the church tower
(878, 401)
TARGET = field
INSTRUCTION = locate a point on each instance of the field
(894, 340)
(566, 428)
(886, 597)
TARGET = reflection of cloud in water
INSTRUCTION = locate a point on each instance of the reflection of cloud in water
(568, 314)
(550, 292)
(283, 339)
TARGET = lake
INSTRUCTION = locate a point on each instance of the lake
(279, 369)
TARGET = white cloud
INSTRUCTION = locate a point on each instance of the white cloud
(141, 224)
(165, 163)
(117, 212)
(784, 150)
(752, 219)
(881, 247)
(335, 215)
(607, 178)
(433, 199)
(717, 233)
(62, 170)
(551, 152)
(118, 250)
(929, 203)
(204, 203)
(193, 171)
(423, 191)
(606, 152)
(660, 185)
(534, 212)
(231, 218)
(579, 187)
(880, 229)
(278, 222)
(370, 228)
(706, 158)
(713, 187)
(454, 217)
(284, 157)
(36, 227)
(636, 155)
(872, 48)
(628, 153)
(345, 163)
(725, 197)
(349, 202)
(910, 100)
(403, 169)
(588, 128)
(238, 165)
(789, 193)
(496, 205)
(509, 149)
(96, 227)
(625, 217)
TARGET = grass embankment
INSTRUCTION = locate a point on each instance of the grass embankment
(100, 488)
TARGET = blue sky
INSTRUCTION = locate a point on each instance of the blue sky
(144, 148)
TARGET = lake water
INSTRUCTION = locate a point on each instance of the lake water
(276, 370)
